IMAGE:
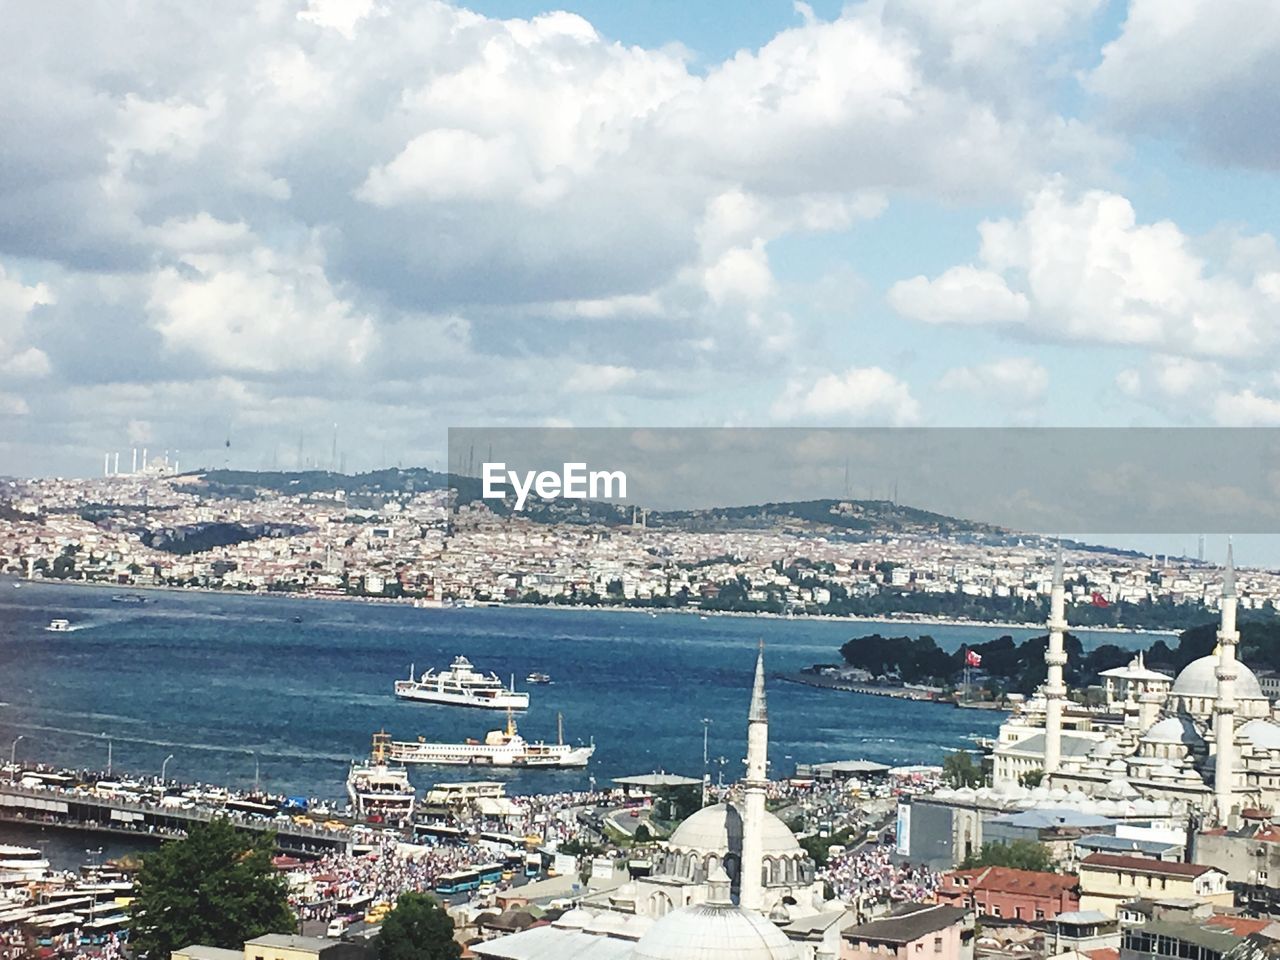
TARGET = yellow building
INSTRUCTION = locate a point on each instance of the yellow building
(277, 946)
(1108, 880)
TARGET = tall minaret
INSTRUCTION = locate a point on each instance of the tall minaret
(751, 895)
(1224, 708)
(1055, 658)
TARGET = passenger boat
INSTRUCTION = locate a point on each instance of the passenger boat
(501, 748)
(59, 626)
(128, 598)
(21, 864)
(379, 792)
(538, 677)
(462, 686)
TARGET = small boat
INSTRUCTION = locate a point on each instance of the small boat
(538, 677)
(128, 598)
(59, 626)
(297, 619)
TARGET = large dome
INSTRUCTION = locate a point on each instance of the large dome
(718, 829)
(1199, 679)
(712, 931)
(1173, 730)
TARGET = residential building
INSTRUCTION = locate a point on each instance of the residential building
(1011, 894)
(913, 931)
(1107, 880)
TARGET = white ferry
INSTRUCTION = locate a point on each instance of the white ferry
(538, 677)
(462, 686)
(379, 792)
(501, 748)
(58, 626)
(21, 864)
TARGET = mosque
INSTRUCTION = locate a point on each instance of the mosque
(1204, 741)
(724, 885)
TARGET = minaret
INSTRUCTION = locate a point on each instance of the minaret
(1224, 708)
(751, 888)
(1055, 658)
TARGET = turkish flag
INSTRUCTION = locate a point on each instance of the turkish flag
(973, 659)
(1099, 600)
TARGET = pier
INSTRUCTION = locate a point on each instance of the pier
(78, 810)
(869, 689)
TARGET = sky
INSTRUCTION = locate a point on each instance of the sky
(254, 232)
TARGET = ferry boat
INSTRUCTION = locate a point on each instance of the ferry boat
(462, 686)
(538, 677)
(501, 748)
(128, 598)
(379, 792)
(59, 626)
(21, 864)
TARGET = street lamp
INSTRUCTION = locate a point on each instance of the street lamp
(256, 771)
(163, 767)
(13, 754)
(108, 739)
(706, 726)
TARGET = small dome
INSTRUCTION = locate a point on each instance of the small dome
(575, 919)
(1119, 788)
(1106, 749)
(1199, 679)
(1263, 734)
(1173, 730)
(1118, 767)
(718, 829)
(712, 931)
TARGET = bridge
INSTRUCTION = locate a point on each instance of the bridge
(78, 810)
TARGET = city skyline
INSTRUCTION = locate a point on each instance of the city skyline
(396, 218)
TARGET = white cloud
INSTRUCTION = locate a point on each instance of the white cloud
(1087, 270)
(868, 395)
(1246, 409)
(960, 295)
(741, 275)
(1010, 379)
(598, 378)
(28, 364)
(1203, 69)
(257, 310)
(442, 165)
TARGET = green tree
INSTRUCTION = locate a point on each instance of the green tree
(217, 887)
(1032, 778)
(960, 769)
(1020, 854)
(418, 929)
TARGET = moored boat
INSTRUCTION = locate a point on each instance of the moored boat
(380, 792)
(538, 677)
(500, 748)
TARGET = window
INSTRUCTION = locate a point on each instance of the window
(1017, 913)
(1039, 914)
(995, 911)
(919, 947)
(937, 944)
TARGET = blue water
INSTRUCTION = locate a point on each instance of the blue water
(215, 678)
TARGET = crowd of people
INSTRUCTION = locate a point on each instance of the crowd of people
(869, 874)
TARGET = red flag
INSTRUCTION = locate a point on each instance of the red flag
(1099, 600)
(973, 659)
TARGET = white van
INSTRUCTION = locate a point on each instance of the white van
(337, 927)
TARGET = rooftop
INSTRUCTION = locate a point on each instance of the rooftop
(1112, 861)
(1023, 881)
(909, 922)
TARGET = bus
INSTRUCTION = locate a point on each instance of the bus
(501, 841)
(490, 872)
(438, 833)
(353, 908)
(460, 881)
(253, 807)
(532, 864)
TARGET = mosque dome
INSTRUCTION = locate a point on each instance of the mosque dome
(1199, 679)
(711, 931)
(575, 919)
(1263, 734)
(718, 829)
(1173, 730)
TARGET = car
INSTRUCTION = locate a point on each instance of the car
(337, 927)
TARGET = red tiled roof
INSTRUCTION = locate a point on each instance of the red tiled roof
(1240, 926)
(1010, 880)
(1115, 861)
(1268, 834)
(1103, 953)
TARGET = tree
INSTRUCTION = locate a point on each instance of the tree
(959, 769)
(418, 929)
(1032, 778)
(1020, 854)
(217, 887)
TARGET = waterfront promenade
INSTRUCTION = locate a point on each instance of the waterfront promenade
(79, 809)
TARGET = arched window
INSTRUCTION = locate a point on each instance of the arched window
(659, 905)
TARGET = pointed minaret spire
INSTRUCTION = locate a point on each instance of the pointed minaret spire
(1224, 707)
(1055, 658)
(759, 707)
(1229, 577)
(756, 782)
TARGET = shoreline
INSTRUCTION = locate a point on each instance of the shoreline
(906, 619)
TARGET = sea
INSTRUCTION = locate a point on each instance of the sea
(232, 687)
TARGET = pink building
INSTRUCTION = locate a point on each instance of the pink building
(913, 931)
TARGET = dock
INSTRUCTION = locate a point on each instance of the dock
(76, 810)
(849, 686)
